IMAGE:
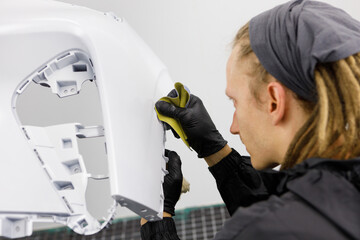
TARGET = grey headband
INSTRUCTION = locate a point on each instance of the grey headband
(292, 38)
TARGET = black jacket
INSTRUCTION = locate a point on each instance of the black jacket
(317, 199)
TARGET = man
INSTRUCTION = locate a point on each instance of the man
(293, 76)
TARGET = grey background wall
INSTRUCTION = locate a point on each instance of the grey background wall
(193, 39)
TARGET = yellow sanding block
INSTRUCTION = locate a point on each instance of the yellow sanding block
(181, 100)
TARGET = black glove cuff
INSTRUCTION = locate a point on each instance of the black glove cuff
(165, 227)
(169, 209)
(212, 148)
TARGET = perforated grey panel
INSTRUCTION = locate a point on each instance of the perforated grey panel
(192, 224)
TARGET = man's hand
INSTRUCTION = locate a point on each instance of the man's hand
(172, 182)
(202, 134)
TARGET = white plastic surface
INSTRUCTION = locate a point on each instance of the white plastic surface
(61, 46)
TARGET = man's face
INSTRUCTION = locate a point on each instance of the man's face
(250, 120)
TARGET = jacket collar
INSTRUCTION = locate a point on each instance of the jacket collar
(331, 187)
(276, 181)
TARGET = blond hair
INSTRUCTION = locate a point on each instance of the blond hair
(335, 115)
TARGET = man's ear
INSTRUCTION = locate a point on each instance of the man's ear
(277, 101)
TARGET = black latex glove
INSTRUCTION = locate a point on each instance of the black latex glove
(202, 134)
(172, 182)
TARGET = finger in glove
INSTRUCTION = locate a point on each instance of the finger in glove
(172, 182)
(168, 127)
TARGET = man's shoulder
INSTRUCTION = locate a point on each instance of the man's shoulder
(318, 199)
(255, 217)
(280, 217)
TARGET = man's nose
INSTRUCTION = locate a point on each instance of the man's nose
(234, 128)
